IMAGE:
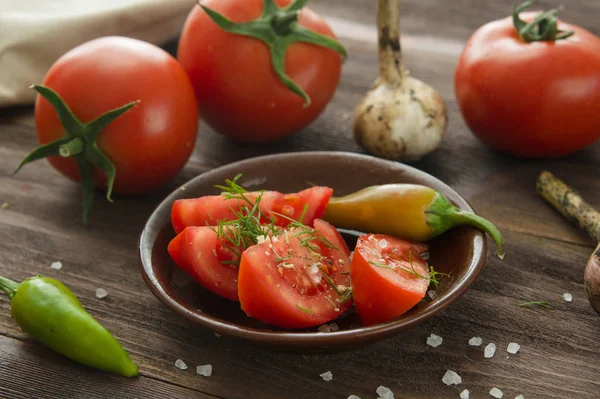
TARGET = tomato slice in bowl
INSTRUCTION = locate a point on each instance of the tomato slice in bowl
(297, 279)
(208, 258)
(208, 210)
(389, 277)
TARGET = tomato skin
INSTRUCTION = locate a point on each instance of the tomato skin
(381, 294)
(148, 144)
(538, 99)
(238, 92)
(211, 209)
(273, 294)
(199, 252)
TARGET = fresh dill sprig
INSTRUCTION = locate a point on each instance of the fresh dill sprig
(542, 304)
(231, 186)
(431, 277)
(304, 230)
(346, 297)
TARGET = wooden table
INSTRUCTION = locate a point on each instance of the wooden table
(559, 356)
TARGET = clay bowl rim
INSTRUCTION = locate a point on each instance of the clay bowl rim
(282, 339)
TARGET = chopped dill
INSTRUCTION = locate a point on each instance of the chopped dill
(307, 311)
(542, 304)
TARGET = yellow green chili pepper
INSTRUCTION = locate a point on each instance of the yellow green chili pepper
(408, 211)
(48, 311)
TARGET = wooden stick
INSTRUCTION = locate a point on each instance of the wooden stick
(568, 202)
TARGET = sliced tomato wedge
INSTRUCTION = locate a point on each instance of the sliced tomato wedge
(297, 279)
(389, 277)
(209, 259)
(209, 210)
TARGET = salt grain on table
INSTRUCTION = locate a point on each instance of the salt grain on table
(568, 297)
(384, 393)
(520, 397)
(101, 293)
(353, 397)
(180, 364)
(204, 370)
(434, 340)
(56, 265)
(326, 376)
(334, 327)
(489, 350)
(476, 341)
(451, 378)
(513, 348)
(496, 393)
(464, 394)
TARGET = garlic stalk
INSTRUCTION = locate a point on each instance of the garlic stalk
(400, 118)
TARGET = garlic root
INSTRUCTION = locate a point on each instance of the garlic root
(400, 118)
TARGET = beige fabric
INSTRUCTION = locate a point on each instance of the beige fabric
(35, 33)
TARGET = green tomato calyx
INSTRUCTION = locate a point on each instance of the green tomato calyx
(544, 27)
(278, 28)
(79, 142)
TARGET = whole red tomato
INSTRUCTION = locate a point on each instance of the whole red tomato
(149, 143)
(532, 99)
(238, 91)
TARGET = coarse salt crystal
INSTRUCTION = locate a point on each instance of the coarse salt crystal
(260, 239)
(204, 370)
(383, 243)
(334, 327)
(475, 341)
(431, 294)
(56, 265)
(384, 392)
(326, 376)
(489, 350)
(513, 348)
(520, 397)
(496, 393)
(434, 340)
(464, 394)
(353, 397)
(314, 269)
(180, 364)
(451, 378)
(217, 335)
(568, 297)
(101, 293)
(324, 329)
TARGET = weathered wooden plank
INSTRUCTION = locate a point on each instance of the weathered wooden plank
(28, 370)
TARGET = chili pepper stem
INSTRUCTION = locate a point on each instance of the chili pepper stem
(443, 215)
(9, 287)
(461, 217)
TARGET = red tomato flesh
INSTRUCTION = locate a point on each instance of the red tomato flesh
(385, 283)
(209, 210)
(285, 283)
(209, 259)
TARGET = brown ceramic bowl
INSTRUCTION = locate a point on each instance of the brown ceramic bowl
(460, 252)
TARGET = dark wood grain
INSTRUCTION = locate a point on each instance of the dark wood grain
(545, 255)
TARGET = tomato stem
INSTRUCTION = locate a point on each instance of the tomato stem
(79, 142)
(278, 28)
(71, 148)
(544, 27)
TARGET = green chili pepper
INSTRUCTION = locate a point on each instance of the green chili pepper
(408, 211)
(48, 311)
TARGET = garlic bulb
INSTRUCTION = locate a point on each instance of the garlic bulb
(400, 118)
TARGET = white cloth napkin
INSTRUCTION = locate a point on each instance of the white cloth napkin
(35, 33)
